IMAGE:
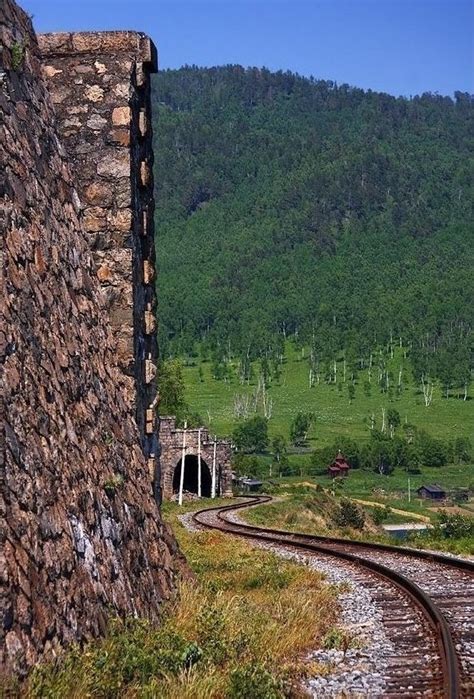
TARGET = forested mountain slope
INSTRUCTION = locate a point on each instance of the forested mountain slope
(290, 205)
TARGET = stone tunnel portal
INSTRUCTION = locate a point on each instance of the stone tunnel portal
(191, 476)
(215, 453)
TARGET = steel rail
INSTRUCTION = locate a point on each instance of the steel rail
(436, 620)
(406, 551)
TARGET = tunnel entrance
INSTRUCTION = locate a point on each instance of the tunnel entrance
(191, 476)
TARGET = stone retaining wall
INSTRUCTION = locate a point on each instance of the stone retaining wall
(81, 535)
(99, 83)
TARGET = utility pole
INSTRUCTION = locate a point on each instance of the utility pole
(409, 489)
(183, 458)
(213, 487)
(199, 464)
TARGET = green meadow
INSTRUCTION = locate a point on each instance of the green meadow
(335, 415)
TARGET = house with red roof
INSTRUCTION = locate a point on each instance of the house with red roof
(339, 468)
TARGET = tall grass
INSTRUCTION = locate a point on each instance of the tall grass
(240, 629)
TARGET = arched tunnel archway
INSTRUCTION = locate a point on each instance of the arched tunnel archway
(191, 476)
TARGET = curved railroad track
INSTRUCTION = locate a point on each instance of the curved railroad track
(427, 598)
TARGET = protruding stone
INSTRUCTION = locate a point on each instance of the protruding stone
(145, 173)
(150, 371)
(148, 272)
(143, 122)
(140, 74)
(150, 322)
(149, 421)
(151, 468)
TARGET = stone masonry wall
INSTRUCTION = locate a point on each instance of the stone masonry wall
(80, 531)
(100, 86)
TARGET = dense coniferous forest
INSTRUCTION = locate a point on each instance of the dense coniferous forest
(290, 207)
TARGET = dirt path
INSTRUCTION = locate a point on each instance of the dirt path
(404, 513)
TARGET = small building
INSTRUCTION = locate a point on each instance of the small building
(431, 492)
(250, 485)
(339, 467)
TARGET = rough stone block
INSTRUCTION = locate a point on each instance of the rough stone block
(114, 165)
(121, 116)
(95, 218)
(98, 194)
(94, 93)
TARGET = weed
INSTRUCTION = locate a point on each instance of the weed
(113, 484)
(337, 639)
(18, 55)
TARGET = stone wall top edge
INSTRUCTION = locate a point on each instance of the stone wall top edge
(62, 44)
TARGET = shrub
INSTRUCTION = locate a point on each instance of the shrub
(455, 526)
(254, 680)
(252, 435)
(380, 514)
(349, 514)
(299, 428)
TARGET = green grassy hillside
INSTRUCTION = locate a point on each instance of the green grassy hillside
(335, 414)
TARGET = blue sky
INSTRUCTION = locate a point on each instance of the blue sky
(403, 47)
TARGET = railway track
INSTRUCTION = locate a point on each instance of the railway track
(427, 601)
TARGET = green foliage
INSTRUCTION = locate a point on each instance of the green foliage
(337, 639)
(133, 651)
(251, 435)
(349, 514)
(455, 526)
(294, 207)
(172, 394)
(434, 452)
(112, 484)
(462, 450)
(446, 419)
(253, 680)
(299, 427)
(279, 450)
(247, 465)
(384, 453)
(379, 514)
(18, 55)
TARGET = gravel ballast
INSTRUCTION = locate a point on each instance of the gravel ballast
(359, 672)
